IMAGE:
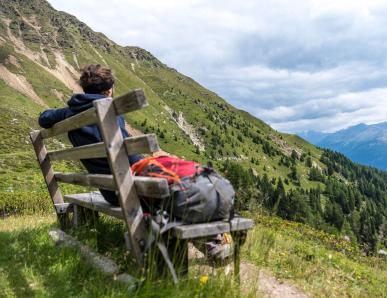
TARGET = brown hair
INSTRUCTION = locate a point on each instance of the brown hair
(96, 79)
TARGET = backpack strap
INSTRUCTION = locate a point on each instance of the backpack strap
(164, 253)
(139, 167)
(163, 249)
(170, 225)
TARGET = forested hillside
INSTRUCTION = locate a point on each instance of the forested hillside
(41, 53)
(352, 198)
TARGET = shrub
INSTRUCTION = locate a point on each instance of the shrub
(23, 202)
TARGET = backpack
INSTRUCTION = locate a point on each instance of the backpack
(197, 193)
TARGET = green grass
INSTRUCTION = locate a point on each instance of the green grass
(32, 266)
(320, 264)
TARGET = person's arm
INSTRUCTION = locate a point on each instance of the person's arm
(121, 123)
(134, 157)
(49, 117)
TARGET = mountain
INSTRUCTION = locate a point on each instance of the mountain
(41, 53)
(364, 144)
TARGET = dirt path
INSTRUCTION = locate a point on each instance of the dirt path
(266, 285)
(254, 281)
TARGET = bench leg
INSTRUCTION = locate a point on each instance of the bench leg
(237, 260)
(239, 239)
(77, 216)
(83, 216)
(64, 221)
(66, 218)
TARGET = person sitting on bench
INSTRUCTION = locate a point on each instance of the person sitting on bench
(97, 82)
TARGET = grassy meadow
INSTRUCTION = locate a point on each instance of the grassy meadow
(319, 264)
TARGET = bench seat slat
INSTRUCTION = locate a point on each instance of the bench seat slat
(212, 228)
(96, 202)
(146, 186)
(134, 145)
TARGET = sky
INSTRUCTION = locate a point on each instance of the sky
(298, 65)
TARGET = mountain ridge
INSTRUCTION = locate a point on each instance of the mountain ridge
(364, 144)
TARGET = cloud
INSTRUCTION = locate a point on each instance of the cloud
(328, 114)
(298, 65)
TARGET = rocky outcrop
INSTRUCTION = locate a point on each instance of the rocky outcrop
(139, 54)
(19, 83)
(187, 128)
(285, 147)
(63, 70)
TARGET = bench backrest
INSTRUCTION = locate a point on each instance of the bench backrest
(116, 149)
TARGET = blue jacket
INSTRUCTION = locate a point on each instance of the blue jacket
(86, 135)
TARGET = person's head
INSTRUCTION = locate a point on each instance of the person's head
(97, 79)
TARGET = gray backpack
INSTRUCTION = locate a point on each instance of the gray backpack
(202, 198)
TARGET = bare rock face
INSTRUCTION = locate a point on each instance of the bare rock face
(285, 147)
(186, 127)
(139, 54)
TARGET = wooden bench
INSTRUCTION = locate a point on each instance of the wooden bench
(128, 187)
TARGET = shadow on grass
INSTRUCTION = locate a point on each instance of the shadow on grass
(32, 266)
(106, 236)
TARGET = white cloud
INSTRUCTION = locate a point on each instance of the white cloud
(333, 113)
(297, 64)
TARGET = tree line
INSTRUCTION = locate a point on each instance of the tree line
(351, 200)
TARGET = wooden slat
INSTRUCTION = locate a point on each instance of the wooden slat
(142, 144)
(95, 150)
(152, 187)
(125, 103)
(77, 121)
(134, 145)
(119, 165)
(212, 228)
(96, 202)
(145, 186)
(130, 102)
(45, 166)
(93, 180)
